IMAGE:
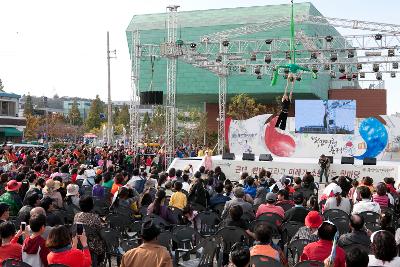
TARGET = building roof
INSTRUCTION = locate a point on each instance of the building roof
(10, 95)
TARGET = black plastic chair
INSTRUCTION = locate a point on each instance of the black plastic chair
(285, 206)
(261, 261)
(349, 248)
(271, 218)
(370, 217)
(309, 264)
(100, 207)
(228, 236)
(177, 213)
(157, 220)
(119, 222)
(219, 208)
(185, 237)
(289, 229)
(342, 224)
(79, 182)
(373, 226)
(86, 190)
(334, 213)
(128, 244)
(198, 207)
(111, 238)
(165, 240)
(14, 263)
(208, 251)
(296, 248)
(208, 222)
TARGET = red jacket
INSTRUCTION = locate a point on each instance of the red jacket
(12, 250)
(31, 246)
(320, 250)
(71, 257)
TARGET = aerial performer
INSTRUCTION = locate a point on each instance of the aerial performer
(292, 67)
(286, 101)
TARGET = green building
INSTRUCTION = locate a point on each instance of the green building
(196, 86)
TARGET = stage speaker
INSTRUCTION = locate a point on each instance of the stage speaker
(347, 160)
(369, 161)
(330, 159)
(265, 157)
(230, 156)
(248, 156)
(151, 98)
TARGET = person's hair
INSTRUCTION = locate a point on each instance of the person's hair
(202, 169)
(297, 180)
(364, 192)
(46, 202)
(31, 199)
(386, 222)
(32, 177)
(172, 172)
(157, 202)
(384, 246)
(178, 186)
(168, 185)
(263, 232)
(284, 193)
(313, 203)
(240, 255)
(97, 179)
(41, 182)
(178, 173)
(135, 172)
(64, 168)
(86, 203)
(185, 177)
(268, 174)
(243, 175)
(59, 237)
(228, 188)
(74, 171)
(354, 183)
(217, 169)
(119, 178)
(146, 200)
(389, 180)
(327, 231)
(236, 212)
(151, 231)
(7, 229)
(107, 176)
(4, 178)
(338, 199)
(36, 222)
(219, 188)
(197, 174)
(368, 181)
(161, 179)
(124, 193)
(357, 257)
(82, 171)
(381, 189)
(357, 222)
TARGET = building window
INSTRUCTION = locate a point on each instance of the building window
(7, 108)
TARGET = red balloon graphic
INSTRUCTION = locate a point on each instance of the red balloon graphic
(279, 144)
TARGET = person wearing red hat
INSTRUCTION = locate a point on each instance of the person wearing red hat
(312, 221)
(11, 197)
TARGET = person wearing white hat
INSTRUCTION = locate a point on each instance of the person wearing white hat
(50, 190)
(73, 194)
(336, 201)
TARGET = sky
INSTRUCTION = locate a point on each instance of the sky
(52, 47)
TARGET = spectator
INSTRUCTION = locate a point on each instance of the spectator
(34, 250)
(31, 202)
(384, 250)
(324, 164)
(297, 183)
(178, 199)
(40, 183)
(98, 190)
(352, 192)
(9, 242)
(64, 250)
(185, 183)
(150, 253)
(368, 182)
(313, 221)
(4, 212)
(228, 187)
(365, 204)
(118, 180)
(264, 246)
(389, 181)
(198, 194)
(357, 235)
(321, 249)
(72, 195)
(386, 222)
(235, 219)
(50, 190)
(159, 208)
(92, 220)
(219, 197)
(11, 197)
(260, 198)
(283, 199)
(238, 200)
(219, 175)
(381, 197)
(249, 187)
(51, 218)
(35, 212)
(108, 181)
(172, 174)
(270, 206)
(336, 201)
(357, 257)
(239, 256)
(298, 213)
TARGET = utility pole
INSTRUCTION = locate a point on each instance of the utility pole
(109, 106)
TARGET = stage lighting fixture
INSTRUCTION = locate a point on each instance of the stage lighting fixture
(378, 37)
(379, 76)
(375, 67)
(287, 55)
(350, 54)
(286, 71)
(391, 53)
(267, 58)
(314, 55)
(395, 65)
(298, 78)
(257, 70)
(253, 57)
(259, 77)
(333, 57)
(333, 74)
(193, 45)
(342, 68)
(243, 69)
(359, 66)
(329, 38)
(268, 41)
(327, 67)
(362, 75)
(393, 74)
(225, 43)
(219, 58)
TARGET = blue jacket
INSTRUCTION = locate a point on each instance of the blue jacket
(251, 190)
(218, 199)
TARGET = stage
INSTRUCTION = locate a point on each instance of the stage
(294, 167)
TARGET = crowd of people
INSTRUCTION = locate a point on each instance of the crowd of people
(55, 206)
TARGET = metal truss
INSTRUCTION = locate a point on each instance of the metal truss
(135, 75)
(222, 87)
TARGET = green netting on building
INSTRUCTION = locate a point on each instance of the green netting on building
(194, 85)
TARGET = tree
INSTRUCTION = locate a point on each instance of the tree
(157, 124)
(123, 117)
(1, 86)
(93, 120)
(243, 107)
(28, 109)
(32, 125)
(116, 115)
(74, 114)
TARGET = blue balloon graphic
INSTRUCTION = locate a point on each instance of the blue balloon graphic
(375, 136)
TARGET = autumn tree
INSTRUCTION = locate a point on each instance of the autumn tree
(74, 114)
(31, 129)
(243, 107)
(123, 117)
(28, 108)
(116, 113)
(157, 124)
(93, 120)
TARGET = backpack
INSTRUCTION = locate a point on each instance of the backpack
(139, 185)
(32, 259)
